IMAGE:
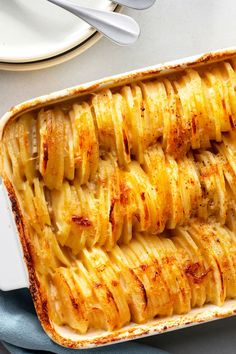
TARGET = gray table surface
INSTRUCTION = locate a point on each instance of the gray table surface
(171, 29)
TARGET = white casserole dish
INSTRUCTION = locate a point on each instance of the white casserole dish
(11, 253)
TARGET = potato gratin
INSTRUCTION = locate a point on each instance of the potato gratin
(129, 198)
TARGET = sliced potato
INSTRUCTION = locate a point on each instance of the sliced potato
(51, 147)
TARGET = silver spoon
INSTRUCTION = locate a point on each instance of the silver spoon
(121, 29)
(136, 4)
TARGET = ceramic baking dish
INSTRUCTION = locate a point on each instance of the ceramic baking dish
(14, 248)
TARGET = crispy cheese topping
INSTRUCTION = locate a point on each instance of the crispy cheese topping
(130, 198)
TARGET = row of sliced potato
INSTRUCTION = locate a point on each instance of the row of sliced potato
(161, 194)
(152, 276)
(186, 111)
(46, 250)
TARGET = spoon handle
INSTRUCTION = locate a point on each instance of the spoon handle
(121, 29)
(136, 4)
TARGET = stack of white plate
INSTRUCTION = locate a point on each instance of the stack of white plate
(37, 34)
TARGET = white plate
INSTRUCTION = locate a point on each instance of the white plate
(59, 59)
(32, 30)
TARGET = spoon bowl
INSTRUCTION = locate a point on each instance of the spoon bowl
(119, 28)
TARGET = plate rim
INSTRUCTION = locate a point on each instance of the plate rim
(58, 59)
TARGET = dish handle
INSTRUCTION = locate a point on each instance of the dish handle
(13, 273)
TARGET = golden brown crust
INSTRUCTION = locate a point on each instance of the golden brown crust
(34, 286)
(39, 298)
